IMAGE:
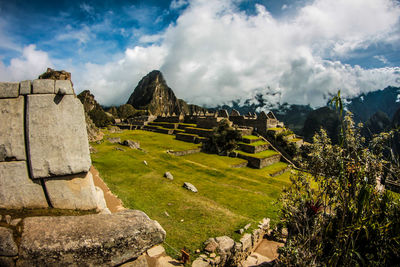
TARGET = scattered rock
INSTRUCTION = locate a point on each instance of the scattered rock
(213, 255)
(99, 142)
(145, 162)
(55, 74)
(169, 176)
(190, 187)
(7, 244)
(7, 261)
(246, 242)
(156, 251)
(7, 219)
(15, 222)
(199, 262)
(211, 245)
(114, 129)
(92, 150)
(131, 144)
(225, 244)
(114, 140)
(74, 241)
(247, 226)
(197, 251)
(182, 220)
(166, 214)
(264, 224)
(118, 148)
(139, 262)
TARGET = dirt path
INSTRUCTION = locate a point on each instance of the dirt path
(114, 204)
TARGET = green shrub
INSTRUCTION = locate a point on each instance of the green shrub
(336, 215)
(223, 140)
(99, 117)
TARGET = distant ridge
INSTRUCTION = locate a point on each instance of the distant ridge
(152, 93)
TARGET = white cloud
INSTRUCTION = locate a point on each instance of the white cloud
(216, 53)
(29, 66)
(87, 8)
(382, 59)
(177, 4)
(114, 82)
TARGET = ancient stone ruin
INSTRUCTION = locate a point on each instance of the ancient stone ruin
(44, 164)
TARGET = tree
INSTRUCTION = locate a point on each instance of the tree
(223, 140)
(336, 215)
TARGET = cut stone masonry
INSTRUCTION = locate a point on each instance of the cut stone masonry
(43, 141)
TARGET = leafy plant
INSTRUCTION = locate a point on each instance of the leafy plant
(336, 215)
(223, 140)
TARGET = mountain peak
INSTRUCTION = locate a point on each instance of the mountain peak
(152, 93)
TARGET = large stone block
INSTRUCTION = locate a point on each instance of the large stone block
(17, 190)
(12, 140)
(25, 87)
(90, 240)
(64, 87)
(72, 192)
(43, 86)
(57, 137)
(8, 89)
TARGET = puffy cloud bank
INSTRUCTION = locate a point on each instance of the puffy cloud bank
(215, 52)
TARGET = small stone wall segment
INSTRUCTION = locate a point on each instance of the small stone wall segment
(9, 90)
(90, 240)
(12, 140)
(17, 190)
(58, 143)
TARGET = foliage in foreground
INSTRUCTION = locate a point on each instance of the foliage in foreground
(344, 220)
(223, 140)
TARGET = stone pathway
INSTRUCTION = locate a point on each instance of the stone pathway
(265, 252)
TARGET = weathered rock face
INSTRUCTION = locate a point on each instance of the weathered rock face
(88, 101)
(91, 240)
(55, 75)
(153, 94)
(94, 110)
(57, 141)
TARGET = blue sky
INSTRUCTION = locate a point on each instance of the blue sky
(210, 51)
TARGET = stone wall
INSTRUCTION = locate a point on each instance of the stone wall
(44, 163)
(44, 150)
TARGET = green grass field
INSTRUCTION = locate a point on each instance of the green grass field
(228, 198)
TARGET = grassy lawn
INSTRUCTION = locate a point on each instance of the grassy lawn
(228, 198)
(250, 137)
(260, 155)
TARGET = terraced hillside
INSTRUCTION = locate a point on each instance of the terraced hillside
(228, 197)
